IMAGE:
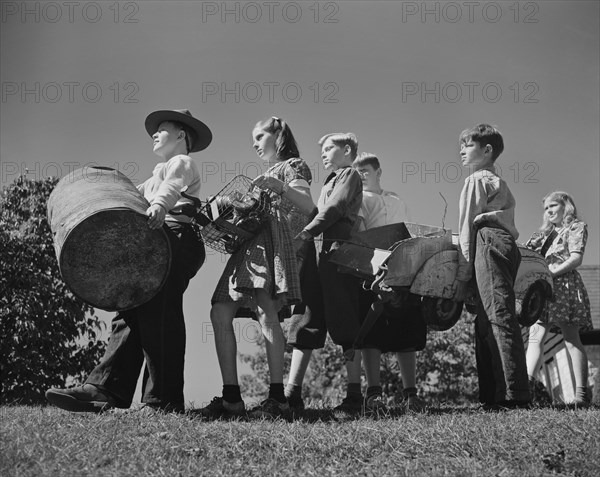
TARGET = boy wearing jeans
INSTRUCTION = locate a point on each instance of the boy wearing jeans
(489, 253)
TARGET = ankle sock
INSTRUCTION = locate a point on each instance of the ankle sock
(374, 391)
(293, 391)
(231, 393)
(581, 392)
(276, 392)
(353, 391)
(409, 392)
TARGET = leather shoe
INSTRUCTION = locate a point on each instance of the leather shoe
(86, 398)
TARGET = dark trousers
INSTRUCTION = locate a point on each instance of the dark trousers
(307, 324)
(398, 329)
(341, 301)
(499, 347)
(154, 331)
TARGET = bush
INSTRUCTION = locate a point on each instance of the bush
(48, 335)
(446, 369)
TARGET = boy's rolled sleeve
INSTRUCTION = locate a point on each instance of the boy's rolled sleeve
(473, 200)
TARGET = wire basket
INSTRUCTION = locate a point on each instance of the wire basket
(236, 214)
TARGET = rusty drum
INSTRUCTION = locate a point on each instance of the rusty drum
(107, 254)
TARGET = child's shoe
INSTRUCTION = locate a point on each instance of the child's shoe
(413, 403)
(296, 405)
(85, 398)
(218, 408)
(349, 408)
(375, 405)
(270, 408)
(539, 394)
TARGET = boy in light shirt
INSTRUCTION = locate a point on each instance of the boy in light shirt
(489, 255)
(399, 329)
(151, 337)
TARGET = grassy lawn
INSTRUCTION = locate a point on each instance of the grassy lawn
(462, 441)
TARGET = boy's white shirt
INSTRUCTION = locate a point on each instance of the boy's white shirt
(168, 178)
(485, 197)
(377, 210)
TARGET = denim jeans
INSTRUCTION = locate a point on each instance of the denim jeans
(154, 331)
(499, 347)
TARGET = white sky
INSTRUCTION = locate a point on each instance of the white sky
(78, 79)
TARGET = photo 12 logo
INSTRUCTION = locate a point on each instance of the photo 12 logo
(222, 172)
(270, 12)
(469, 91)
(69, 12)
(453, 172)
(470, 12)
(69, 91)
(249, 332)
(10, 171)
(269, 91)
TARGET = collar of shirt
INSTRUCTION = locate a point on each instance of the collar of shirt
(335, 173)
(484, 170)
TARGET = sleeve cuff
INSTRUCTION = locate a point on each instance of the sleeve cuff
(305, 235)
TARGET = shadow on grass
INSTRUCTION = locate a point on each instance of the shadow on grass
(329, 415)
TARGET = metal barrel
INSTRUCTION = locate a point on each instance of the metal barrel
(107, 254)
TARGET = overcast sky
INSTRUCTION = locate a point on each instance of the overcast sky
(78, 79)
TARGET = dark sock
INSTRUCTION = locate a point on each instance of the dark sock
(374, 391)
(409, 392)
(353, 391)
(231, 393)
(276, 392)
(293, 391)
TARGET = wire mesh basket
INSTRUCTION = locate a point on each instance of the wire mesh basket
(236, 214)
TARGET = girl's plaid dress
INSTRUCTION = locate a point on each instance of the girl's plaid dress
(268, 260)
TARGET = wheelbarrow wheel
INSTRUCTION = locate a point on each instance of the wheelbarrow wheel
(533, 306)
(440, 314)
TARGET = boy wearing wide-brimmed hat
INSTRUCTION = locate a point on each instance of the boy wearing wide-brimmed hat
(155, 330)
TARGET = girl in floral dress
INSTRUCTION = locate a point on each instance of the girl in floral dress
(562, 239)
(262, 276)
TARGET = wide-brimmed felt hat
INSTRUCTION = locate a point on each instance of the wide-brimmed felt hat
(200, 131)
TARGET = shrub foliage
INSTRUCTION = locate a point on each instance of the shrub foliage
(446, 369)
(49, 336)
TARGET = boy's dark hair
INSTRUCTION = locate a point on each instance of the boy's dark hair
(484, 134)
(367, 159)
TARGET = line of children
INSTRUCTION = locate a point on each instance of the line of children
(289, 264)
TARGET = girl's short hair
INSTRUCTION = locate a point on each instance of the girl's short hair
(567, 202)
(285, 143)
(367, 159)
(343, 139)
(484, 134)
